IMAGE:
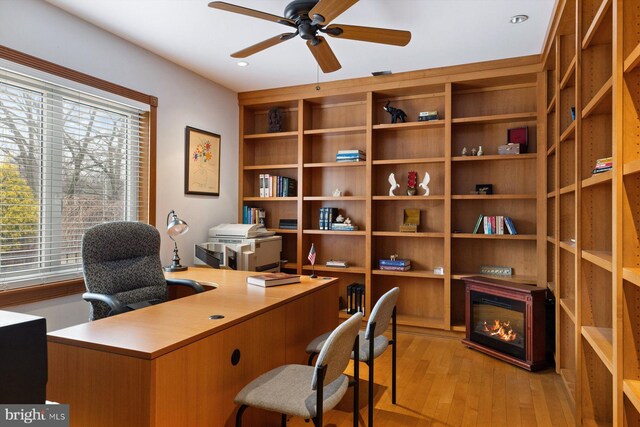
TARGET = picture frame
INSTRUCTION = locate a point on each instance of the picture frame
(202, 162)
(486, 189)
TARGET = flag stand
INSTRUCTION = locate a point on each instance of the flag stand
(312, 258)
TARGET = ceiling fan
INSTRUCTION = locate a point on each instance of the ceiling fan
(310, 17)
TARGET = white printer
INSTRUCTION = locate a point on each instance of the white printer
(248, 247)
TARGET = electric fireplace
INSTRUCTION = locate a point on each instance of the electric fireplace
(506, 320)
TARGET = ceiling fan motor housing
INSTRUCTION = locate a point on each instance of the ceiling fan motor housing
(298, 11)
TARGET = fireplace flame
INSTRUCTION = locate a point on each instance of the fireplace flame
(500, 329)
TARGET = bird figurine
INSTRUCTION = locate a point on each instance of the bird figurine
(425, 183)
(394, 184)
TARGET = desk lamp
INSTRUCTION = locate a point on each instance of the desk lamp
(175, 227)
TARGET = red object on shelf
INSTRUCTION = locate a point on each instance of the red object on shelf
(519, 136)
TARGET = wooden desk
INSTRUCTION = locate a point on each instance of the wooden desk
(170, 365)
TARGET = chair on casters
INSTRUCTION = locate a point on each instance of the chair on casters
(306, 391)
(372, 342)
(122, 268)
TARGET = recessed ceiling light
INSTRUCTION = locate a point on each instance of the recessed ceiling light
(517, 19)
(242, 63)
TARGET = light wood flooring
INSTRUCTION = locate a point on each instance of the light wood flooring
(443, 383)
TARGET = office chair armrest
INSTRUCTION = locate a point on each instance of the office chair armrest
(197, 287)
(114, 304)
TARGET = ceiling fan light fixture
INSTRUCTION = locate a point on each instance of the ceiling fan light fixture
(242, 63)
(518, 19)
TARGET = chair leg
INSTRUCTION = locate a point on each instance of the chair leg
(283, 422)
(356, 381)
(239, 415)
(317, 421)
(370, 363)
(394, 341)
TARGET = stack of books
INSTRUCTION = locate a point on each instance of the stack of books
(495, 225)
(395, 264)
(252, 215)
(277, 186)
(603, 165)
(355, 298)
(341, 226)
(427, 116)
(350, 156)
(273, 279)
(288, 224)
(337, 263)
(327, 217)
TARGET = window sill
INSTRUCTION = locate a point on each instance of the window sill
(38, 293)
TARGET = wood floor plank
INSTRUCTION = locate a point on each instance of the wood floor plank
(441, 382)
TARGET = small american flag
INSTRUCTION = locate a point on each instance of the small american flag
(312, 255)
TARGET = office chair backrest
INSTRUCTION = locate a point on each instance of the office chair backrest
(382, 311)
(122, 259)
(336, 352)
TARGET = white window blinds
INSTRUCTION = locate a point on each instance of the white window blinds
(68, 160)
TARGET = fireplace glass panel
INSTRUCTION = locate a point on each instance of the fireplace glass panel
(499, 323)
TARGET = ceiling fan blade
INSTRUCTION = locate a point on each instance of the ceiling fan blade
(251, 12)
(325, 57)
(262, 45)
(327, 10)
(369, 34)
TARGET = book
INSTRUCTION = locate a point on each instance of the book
(350, 152)
(604, 160)
(273, 279)
(510, 225)
(499, 224)
(478, 222)
(493, 224)
(601, 170)
(394, 268)
(394, 262)
(337, 263)
(340, 226)
(351, 160)
(603, 165)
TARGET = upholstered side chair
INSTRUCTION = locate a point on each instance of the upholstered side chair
(122, 268)
(372, 342)
(306, 391)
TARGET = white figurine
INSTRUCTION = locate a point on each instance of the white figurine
(347, 221)
(464, 151)
(425, 183)
(340, 218)
(394, 184)
(480, 152)
(474, 152)
(337, 193)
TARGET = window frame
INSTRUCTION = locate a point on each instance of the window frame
(63, 288)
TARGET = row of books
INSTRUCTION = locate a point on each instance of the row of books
(288, 224)
(350, 156)
(355, 298)
(252, 215)
(603, 165)
(394, 264)
(327, 217)
(277, 186)
(495, 225)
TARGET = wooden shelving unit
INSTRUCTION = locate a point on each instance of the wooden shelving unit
(477, 108)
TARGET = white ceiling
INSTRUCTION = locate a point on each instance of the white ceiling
(444, 32)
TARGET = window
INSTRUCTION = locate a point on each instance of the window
(68, 160)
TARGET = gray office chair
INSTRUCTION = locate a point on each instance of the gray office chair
(306, 391)
(122, 268)
(372, 342)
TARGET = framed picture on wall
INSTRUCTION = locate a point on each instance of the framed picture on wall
(202, 162)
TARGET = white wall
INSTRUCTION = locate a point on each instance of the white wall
(185, 99)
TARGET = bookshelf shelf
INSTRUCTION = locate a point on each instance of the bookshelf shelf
(632, 60)
(355, 270)
(411, 198)
(409, 125)
(569, 306)
(631, 389)
(338, 130)
(568, 189)
(493, 196)
(551, 195)
(408, 235)
(409, 273)
(270, 167)
(567, 75)
(596, 24)
(497, 118)
(568, 246)
(602, 259)
(551, 150)
(270, 199)
(335, 233)
(335, 165)
(551, 240)
(274, 135)
(601, 340)
(283, 231)
(552, 105)
(598, 179)
(631, 168)
(334, 199)
(526, 156)
(632, 275)
(568, 132)
(409, 161)
(601, 101)
(494, 236)
(517, 278)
